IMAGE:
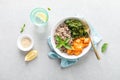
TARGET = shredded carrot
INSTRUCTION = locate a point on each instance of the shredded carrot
(78, 45)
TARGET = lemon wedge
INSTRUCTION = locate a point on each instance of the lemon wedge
(42, 16)
(31, 55)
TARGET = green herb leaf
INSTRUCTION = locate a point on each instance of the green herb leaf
(58, 38)
(59, 45)
(67, 46)
(67, 40)
(61, 42)
(22, 28)
(104, 47)
(49, 9)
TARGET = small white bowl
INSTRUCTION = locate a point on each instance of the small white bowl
(20, 45)
(65, 55)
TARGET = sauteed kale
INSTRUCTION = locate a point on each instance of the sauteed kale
(76, 27)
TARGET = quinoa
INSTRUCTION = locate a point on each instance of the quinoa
(64, 32)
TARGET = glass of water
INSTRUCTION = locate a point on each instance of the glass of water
(39, 18)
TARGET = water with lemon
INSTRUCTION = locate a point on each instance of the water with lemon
(39, 17)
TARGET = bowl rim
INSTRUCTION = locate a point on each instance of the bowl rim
(64, 55)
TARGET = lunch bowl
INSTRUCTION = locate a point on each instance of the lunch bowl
(62, 54)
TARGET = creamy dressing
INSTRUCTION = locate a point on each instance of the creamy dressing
(25, 42)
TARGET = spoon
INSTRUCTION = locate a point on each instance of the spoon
(88, 32)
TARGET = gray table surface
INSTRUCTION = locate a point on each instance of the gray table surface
(104, 15)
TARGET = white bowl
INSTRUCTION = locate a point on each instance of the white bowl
(65, 55)
(19, 42)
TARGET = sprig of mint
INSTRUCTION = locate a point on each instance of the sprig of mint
(61, 42)
(22, 28)
(104, 47)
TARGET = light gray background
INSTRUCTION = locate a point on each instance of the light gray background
(104, 15)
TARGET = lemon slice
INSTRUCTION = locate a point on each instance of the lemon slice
(31, 55)
(42, 16)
